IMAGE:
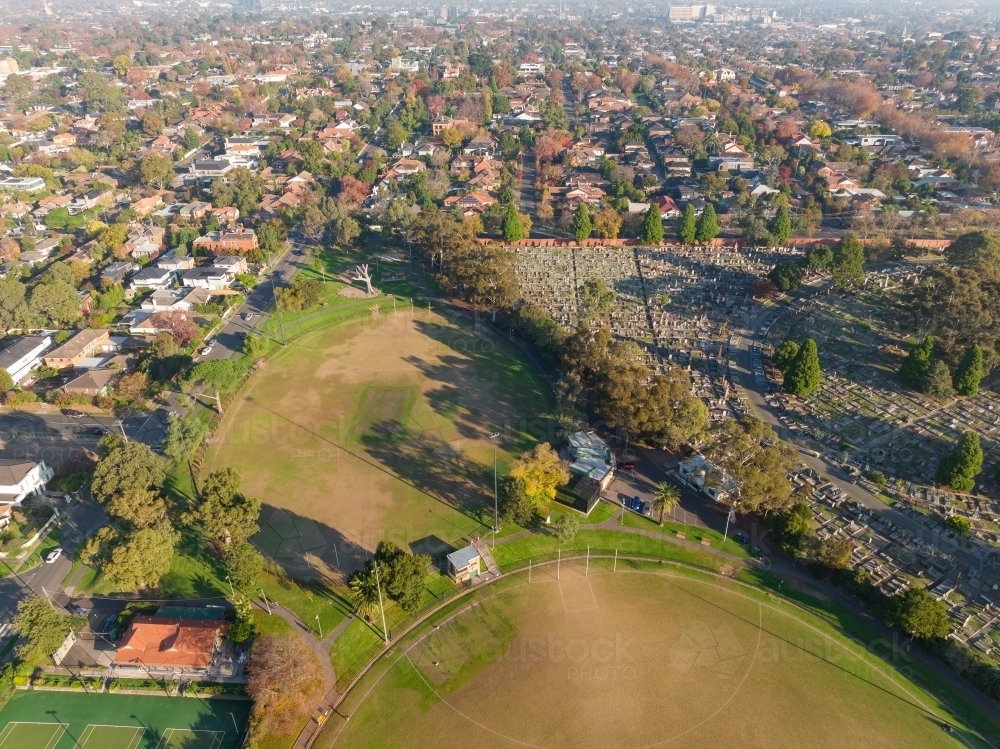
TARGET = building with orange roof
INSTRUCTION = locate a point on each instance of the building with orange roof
(168, 642)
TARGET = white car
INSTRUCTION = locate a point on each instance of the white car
(207, 350)
(53, 555)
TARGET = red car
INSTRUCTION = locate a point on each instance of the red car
(629, 466)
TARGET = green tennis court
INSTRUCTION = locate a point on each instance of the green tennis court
(110, 737)
(30, 735)
(66, 720)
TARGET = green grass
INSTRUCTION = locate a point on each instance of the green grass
(307, 601)
(693, 533)
(544, 546)
(270, 624)
(154, 713)
(803, 679)
(355, 647)
(47, 544)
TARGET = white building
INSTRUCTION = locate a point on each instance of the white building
(23, 355)
(700, 473)
(20, 479)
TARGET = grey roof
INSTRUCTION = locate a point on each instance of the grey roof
(13, 471)
(20, 349)
(463, 557)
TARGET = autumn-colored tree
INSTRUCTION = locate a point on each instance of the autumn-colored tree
(607, 223)
(352, 190)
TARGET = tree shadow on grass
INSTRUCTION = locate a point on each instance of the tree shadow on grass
(482, 384)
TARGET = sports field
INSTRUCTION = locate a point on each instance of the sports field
(63, 720)
(646, 656)
(378, 428)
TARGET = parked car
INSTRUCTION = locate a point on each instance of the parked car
(207, 350)
(53, 555)
(636, 504)
(76, 610)
(628, 466)
(98, 431)
(248, 315)
(73, 414)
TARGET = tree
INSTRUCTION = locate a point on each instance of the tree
(708, 225)
(820, 129)
(819, 257)
(364, 592)
(221, 375)
(513, 229)
(514, 505)
(132, 387)
(959, 525)
(960, 468)
(784, 355)
(402, 575)
(917, 363)
(181, 327)
(283, 678)
(937, 381)
(242, 628)
(184, 436)
(152, 124)
(140, 560)
(791, 527)
(541, 473)
(687, 229)
(565, 528)
(40, 626)
(254, 345)
(155, 171)
(748, 454)
(596, 300)
(58, 301)
(786, 276)
(652, 225)
(227, 514)
(607, 223)
(485, 277)
(243, 564)
(6, 381)
(781, 226)
(122, 64)
(923, 616)
(835, 553)
(803, 374)
(848, 267)
(130, 466)
(974, 248)
(970, 371)
(581, 223)
(665, 499)
(655, 409)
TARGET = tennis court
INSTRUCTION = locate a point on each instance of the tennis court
(31, 735)
(110, 737)
(66, 720)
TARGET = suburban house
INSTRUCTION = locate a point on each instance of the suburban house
(233, 263)
(700, 473)
(170, 642)
(92, 382)
(228, 242)
(153, 277)
(210, 277)
(20, 478)
(116, 272)
(592, 468)
(176, 300)
(175, 262)
(464, 564)
(83, 345)
(23, 355)
(145, 242)
(22, 184)
(208, 170)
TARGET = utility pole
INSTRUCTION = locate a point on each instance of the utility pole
(320, 625)
(230, 581)
(265, 601)
(378, 585)
(496, 502)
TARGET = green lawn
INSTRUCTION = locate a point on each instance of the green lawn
(153, 713)
(544, 546)
(355, 647)
(307, 601)
(720, 662)
(693, 533)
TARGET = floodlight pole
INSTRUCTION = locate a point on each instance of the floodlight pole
(587, 568)
(615, 568)
(378, 585)
(320, 625)
(265, 602)
(230, 581)
(732, 511)
(559, 564)
(496, 501)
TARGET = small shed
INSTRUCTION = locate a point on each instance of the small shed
(464, 564)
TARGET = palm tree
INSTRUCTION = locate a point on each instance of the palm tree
(666, 498)
(364, 594)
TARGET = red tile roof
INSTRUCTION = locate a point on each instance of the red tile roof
(166, 641)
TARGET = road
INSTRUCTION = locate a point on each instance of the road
(923, 529)
(259, 303)
(46, 579)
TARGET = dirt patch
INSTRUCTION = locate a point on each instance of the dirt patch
(353, 292)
